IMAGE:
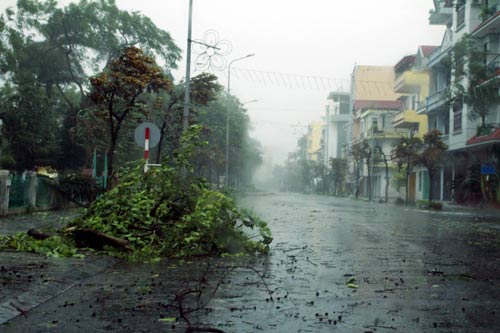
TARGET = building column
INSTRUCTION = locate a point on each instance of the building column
(454, 182)
(4, 191)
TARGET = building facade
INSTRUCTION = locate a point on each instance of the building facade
(473, 146)
(374, 106)
(337, 116)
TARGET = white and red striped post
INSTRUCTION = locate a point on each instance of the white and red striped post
(146, 149)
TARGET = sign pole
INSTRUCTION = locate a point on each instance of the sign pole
(146, 149)
(147, 135)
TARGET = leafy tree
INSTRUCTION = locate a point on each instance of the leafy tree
(339, 171)
(362, 151)
(60, 47)
(405, 153)
(27, 114)
(480, 92)
(382, 155)
(204, 89)
(117, 90)
(431, 155)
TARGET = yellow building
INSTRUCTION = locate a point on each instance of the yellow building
(314, 141)
(412, 82)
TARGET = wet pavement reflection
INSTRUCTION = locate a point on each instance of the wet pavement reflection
(335, 265)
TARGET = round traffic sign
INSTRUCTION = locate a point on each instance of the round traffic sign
(140, 134)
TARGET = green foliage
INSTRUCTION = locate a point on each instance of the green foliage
(78, 188)
(399, 178)
(28, 116)
(215, 225)
(426, 204)
(433, 149)
(47, 52)
(339, 173)
(167, 212)
(480, 92)
(116, 90)
(405, 152)
(53, 246)
(406, 155)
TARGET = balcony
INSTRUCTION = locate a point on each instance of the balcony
(409, 119)
(438, 55)
(490, 24)
(437, 100)
(487, 13)
(386, 133)
(411, 82)
(339, 118)
(442, 14)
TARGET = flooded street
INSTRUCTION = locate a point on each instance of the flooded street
(335, 265)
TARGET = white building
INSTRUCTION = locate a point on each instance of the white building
(337, 116)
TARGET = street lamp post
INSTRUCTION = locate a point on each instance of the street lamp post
(226, 177)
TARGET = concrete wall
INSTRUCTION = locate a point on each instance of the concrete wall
(31, 203)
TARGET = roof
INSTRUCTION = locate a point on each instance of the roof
(377, 105)
(374, 83)
(492, 137)
(428, 49)
(405, 62)
(332, 94)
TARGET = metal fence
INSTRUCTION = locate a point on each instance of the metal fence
(18, 194)
(44, 193)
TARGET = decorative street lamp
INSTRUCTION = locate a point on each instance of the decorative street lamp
(226, 178)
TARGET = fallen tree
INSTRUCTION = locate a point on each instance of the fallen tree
(169, 212)
(166, 213)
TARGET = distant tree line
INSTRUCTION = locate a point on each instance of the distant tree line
(300, 174)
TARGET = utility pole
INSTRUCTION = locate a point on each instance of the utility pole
(187, 92)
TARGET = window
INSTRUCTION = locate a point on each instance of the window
(374, 124)
(460, 16)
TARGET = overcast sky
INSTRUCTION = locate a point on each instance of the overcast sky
(303, 49)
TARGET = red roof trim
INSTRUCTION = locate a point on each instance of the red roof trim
(428, 49)
(405, 61)
(483, 24)
(485, 138)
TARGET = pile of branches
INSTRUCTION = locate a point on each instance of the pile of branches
(165, 214)
(77, 188)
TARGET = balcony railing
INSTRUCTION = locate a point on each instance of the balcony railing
(410, 81)
(421, 106)
(437, 99)
(489, 12)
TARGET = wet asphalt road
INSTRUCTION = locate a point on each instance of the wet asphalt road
(336, 265)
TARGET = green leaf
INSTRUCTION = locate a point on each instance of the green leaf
(168, 320)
